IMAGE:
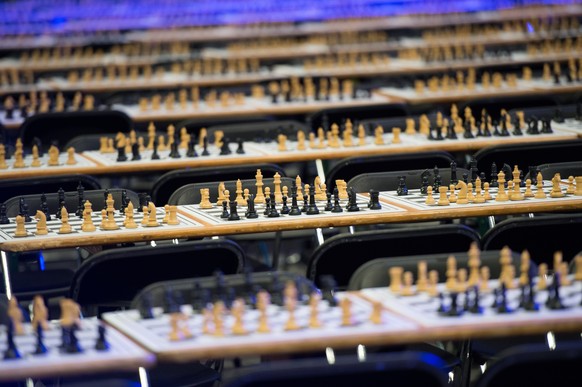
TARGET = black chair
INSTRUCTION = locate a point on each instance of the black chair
(389, 181)
(526, 155)
(45, 184)
(347, 168)
(391, 369)
(168, 183)
(535, 365)
(61, 127)
(375, 273)
(258, 131)
(572, 168)
(341, 255)
(325, 117)
(113, 278)
(541, 236)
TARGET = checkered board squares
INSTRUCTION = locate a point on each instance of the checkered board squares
(422, 308)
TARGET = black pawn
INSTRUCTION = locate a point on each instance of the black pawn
(441, 308)
(295, 210)
(121, 156)
(424, 186)
(155, 155)
(328, 289)
(454, 179)
(439, 134)
(174, 154)
(529, 303)
(71, 342)
(124, 201)
(225, 214)
(479, 130)
(240, 149)
(454, 309)
(101, 344)
(451, 134)
(312, 207)
(191, 152)
(502, 307)
(533, 174)
(474, 170)
(468, 133)
(547, 127)
(504, 131)
(436, 183)
(554, 300)
(516, 128)
(352, 204)
(145, 307)
(305, 203)
(205, 146)
(11, 351)
(267, 205)
(251, 212)
(496, 131)
(431, 136)
(233, 211)
(142, 201)
(558, 116)
(328, 205)
(44, 206)
(105, 195)
(225, 148)
(40, 348)
(493, 178)
(285, 208)
(402, 190)
(25, 214)
(3, 217)
(135, 152)
(475, 307)
(336, 202)
(374, 200)
(533, 127)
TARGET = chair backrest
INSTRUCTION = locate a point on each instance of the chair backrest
(258, 131)
(347, 168)
(397, 369)
(375, 273)
(572, 168)
(10, 188)
(61, 127)
(341, 255)
(96, 197)
(169, 182)
(535, 365)
(542, 236)
(115, 276)
(190, 193)
(325, 117)
(526, 155)
(388, 181)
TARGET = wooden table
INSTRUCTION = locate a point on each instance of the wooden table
(97, 163)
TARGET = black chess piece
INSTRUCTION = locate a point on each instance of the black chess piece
(70, 341)
(431, 136)
(11, 351)
(24, 211)
(295, 210)
(436, 183)
(479, 130)
(374, 200)
(135, 155)
(352, 203)
(305, 203)
(105, 195)
(558, 116)
(205, 151)
(554, 300)
(155, 155)
(454, 179)
(533, 126)
(225, 214)
(556, 78)
(101, 343)
(142, 201)
(251, 213)
(336, 202)
(191, 152)
(533, 174)
(424, 187)
(145, 307)
(516, 127)
(328, 289)
(402, 190)
(233, 211)
(502, 306)
(442, 308)
(240, 149)
(174, 153)
(312, 207)
(504, 132)
(467, 300)
(225, 148)
(475, 306)
(284, 208)
(530, 303)
(36, 141)
(273, 213)
(496, 132)
(493, 179)
(454, 309)
(267, 205)
(40, 347)
(124, 201)
(61, 206)
(121, 156)
(328, 204)
(465, 178)
(547, 127)
(80, 200)
(468, 133)
(3, 216)
(486, 130)
(474, 170)
(451, 134)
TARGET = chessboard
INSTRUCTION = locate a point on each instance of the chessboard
(121, 354)
(265, 332)
(7, 231)
(573, 125)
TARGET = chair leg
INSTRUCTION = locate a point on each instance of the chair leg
(464, 379)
